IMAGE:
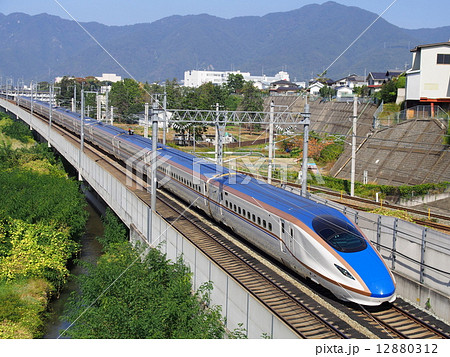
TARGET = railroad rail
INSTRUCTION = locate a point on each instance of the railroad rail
(397, 322)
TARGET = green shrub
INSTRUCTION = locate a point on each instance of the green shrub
(16, 130)
(114, 230)
(130, 295)
(331, 152)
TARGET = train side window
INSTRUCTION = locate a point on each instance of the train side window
(292, 233)
(270, 226)
(259, 220)
(234, 208)
(264, 223)
(226, 203)
(253, 218)
(226, 193)
(239, 210)
(243, 212)
(248, 214)
(282, 227)
(221, 196)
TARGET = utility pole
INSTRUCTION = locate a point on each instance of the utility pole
(99, 107)
(269, 169)
(146, 121)
(112, 115)
(355, 117)
(165, 116)
(80, 178)
(74, 98)
(306, 115)
(106, 105)
(50, 111)
(154, 154)
(31, 106)
(219, 143)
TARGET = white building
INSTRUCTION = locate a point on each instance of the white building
(344, 92)
(196, 78)
(428, 81)
(109, 77)
(351, 81)
(106, 77)
(314, 88)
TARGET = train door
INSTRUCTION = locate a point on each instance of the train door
(214, 199)
(287, 237)
(283, 235)
(116, 147)
(291, 239)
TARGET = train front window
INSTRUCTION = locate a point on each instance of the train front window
(340, 234)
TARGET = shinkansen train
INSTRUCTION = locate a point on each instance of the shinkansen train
(314, 240)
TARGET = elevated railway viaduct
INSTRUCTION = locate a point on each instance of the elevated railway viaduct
(130, 200)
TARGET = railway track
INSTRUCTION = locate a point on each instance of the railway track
(307, 320)
(397, 322)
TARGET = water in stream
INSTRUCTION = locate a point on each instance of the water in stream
(90, 252)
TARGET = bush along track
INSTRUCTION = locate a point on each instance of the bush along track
(42, 216)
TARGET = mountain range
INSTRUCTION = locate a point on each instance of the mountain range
(304, 42)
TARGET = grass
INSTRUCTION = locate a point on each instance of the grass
(22, 306)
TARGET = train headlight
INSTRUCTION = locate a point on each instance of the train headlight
(344, 272)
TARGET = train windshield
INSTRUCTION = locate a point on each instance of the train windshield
(341, 235)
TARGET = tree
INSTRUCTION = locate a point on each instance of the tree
(235, 83)
(66, 89)
(174, 94)
(362, 91)
(127, 98)
(252, 98)
(327, 92)
(388, 92)
(44, 86)
(147, 297)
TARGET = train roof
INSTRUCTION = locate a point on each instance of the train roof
(276, 197)
(279, 198)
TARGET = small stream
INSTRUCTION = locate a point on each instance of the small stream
(90, 252)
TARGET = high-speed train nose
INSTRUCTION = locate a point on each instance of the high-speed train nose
(381, 288)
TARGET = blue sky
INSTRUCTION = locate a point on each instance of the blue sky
(409, 14)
